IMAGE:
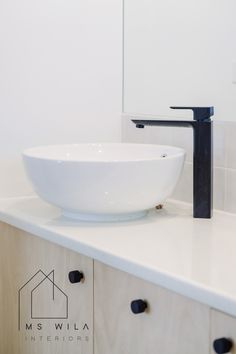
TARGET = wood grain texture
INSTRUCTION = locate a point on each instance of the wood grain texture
(23, 255)
(222, 325)
(173, 324)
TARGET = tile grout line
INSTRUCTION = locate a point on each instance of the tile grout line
(123, 57)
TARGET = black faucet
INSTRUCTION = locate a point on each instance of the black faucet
(202, 155)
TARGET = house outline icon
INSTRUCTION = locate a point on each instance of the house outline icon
(54, 286)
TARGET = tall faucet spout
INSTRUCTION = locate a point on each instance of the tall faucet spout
(202, 155)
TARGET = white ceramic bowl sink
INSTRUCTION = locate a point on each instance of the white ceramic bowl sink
(104, 182)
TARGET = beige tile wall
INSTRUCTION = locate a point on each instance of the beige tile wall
(224, 157)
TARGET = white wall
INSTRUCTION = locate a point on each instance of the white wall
(179, 53)
(60, 77)
(182, 53)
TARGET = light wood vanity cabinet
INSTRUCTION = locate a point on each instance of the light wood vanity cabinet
(42, 312)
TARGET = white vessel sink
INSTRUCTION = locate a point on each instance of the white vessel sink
(104, 182)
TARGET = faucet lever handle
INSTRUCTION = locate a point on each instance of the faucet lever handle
(199, 113)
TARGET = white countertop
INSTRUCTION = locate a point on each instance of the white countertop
(193, 257)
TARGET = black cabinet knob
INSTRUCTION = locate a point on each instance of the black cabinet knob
(222, 345)
(75, 276)
(138, 306)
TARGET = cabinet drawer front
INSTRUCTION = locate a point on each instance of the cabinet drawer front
(171, 324)
(41, 310)
(223, 327)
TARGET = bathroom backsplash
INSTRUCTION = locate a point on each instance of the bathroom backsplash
(224, 141)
